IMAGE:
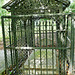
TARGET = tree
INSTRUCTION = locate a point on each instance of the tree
(2, 11)
(71, 8)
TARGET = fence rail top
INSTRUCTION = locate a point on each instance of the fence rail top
(35, 15)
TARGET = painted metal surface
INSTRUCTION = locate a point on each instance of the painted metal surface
(39, 44)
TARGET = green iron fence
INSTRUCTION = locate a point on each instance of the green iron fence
(38, 44)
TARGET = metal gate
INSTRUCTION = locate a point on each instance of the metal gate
(38, 44)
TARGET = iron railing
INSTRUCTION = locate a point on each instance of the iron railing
(38, 44)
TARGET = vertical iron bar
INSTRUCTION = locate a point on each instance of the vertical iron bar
(34, 62)
(28, 35)
(37, 36)
(65, 44)
(4, 42)
(33, 24)
(71, 48)
(60, 51)
(49, 31)
(15, 44)
(50, 34)
(43, 33)
(31, 43)
(73, 38)
(10, 43)
(46, 49)
(58, 44)
(29, 65)
(72, 43)
(52, 49)
(40, 45)
(12, 29)
(21, 31)
(25, 27)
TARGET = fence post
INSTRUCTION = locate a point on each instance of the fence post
(72, 42)
(5, 51)
(15, 44)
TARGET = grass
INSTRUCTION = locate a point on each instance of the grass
(43, 54)
(37, 57)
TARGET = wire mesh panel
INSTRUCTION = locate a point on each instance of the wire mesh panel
(38, 44)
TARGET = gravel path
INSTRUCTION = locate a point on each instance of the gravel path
(2, 63)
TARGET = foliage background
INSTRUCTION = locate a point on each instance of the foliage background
(71, 8)
(2, 12)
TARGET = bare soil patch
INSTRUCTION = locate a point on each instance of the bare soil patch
(1, 45)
